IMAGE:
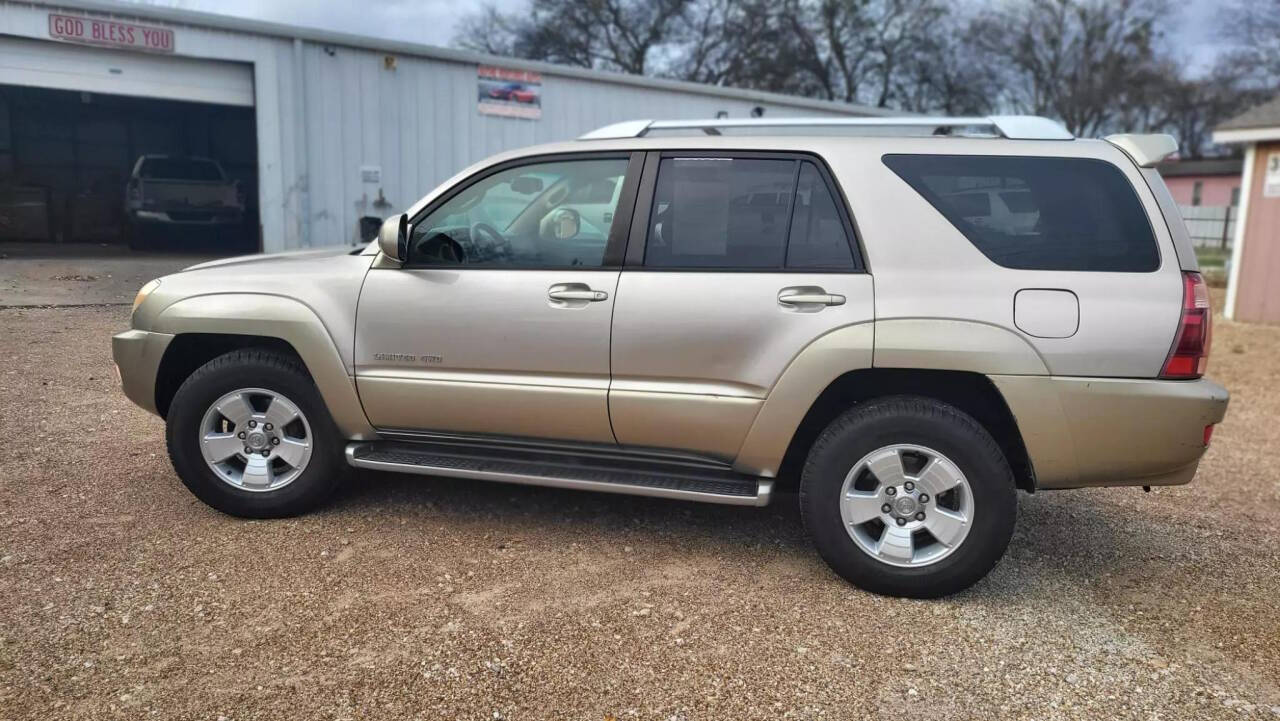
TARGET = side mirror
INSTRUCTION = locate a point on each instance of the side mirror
(566, 224)
(393, 237)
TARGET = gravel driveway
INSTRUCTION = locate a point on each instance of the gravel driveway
(121, 596)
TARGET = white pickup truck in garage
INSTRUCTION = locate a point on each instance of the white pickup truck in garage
(168, 195)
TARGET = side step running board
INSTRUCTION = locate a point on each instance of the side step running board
(563, 470)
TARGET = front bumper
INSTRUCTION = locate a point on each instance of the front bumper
(1112, 431)
(218, 217)
(137, 354)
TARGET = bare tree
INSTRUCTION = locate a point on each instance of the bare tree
(1251, 29)
(487, 31)
(760, 44)
(849, 50)
(1081, 61)
(1190, 107)
(619, 35)
(949, 74)
(1096, 65)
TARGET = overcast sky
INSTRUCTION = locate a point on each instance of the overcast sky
(432, 21)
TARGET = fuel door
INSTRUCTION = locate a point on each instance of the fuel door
(1046, 312)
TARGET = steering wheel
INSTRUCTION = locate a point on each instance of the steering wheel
(440, 249)
(492, 234)
(492, 239)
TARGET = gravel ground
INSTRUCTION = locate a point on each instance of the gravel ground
(60, 274)
(121, 596)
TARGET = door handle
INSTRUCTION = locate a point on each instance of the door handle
(576, 291)
(808, 295)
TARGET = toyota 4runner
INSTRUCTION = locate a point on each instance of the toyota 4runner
(907, 320)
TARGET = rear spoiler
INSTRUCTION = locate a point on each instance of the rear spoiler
(1146, 150)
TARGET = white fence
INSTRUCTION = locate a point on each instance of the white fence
(1210, 226)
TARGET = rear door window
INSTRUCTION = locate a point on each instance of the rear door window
(818, 238)
(745, 213)
(716, 212)
(1034, 213)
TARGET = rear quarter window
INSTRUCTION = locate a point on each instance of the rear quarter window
(1053, 214)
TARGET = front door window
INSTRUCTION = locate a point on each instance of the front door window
(546, 215)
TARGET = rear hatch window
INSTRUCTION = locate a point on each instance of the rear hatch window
(1037, 213)
(179, 169)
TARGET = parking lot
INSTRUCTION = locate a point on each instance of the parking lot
(122, 596)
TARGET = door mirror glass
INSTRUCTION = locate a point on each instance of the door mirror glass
(566, 222)
(393, 237)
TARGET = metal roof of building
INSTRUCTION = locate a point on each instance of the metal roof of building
(176, 16)
(1266, 115)
(1186, 168)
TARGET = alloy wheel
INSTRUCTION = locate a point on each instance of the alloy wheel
(906, 505)
(255, 439)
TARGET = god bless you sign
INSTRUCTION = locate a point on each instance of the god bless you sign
(110, 33)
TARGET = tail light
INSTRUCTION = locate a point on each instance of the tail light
(1190, 352)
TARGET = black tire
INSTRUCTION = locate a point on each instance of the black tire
(137, 237)
(274, 371)
(923, 422)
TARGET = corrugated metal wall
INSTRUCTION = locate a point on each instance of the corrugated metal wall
(420, 124)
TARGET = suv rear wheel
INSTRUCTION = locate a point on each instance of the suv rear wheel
(907, 496)
(249, 435)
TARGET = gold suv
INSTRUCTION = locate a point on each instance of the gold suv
(906, 320)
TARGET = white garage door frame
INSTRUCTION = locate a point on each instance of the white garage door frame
(64, 66)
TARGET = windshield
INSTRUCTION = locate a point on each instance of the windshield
(497, 200)
(179, 169)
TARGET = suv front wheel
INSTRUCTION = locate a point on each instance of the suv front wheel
(249, 434)
(907, 496)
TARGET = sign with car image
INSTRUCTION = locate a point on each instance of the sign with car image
(512, 93)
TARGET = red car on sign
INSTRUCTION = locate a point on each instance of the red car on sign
(514, 91)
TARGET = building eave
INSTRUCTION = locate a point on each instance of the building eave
(1245, 135)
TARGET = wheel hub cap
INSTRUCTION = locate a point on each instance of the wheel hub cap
(906, 505)
(255, 439)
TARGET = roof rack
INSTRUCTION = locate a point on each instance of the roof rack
(1018, 127)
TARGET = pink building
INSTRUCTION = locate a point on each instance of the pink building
(1253, 294)
(1203, 182)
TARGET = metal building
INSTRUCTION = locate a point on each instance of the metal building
(318, 129)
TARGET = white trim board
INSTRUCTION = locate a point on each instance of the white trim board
(1248, 135)
(65, 66)
(1237, 243)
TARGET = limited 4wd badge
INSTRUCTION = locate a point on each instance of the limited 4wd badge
(409, 358)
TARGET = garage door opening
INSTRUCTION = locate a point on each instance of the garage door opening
(82, 167)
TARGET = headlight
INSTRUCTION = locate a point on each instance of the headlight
(145, 291)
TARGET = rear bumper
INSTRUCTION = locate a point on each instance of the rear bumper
(137, 354)
(1083, 432)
